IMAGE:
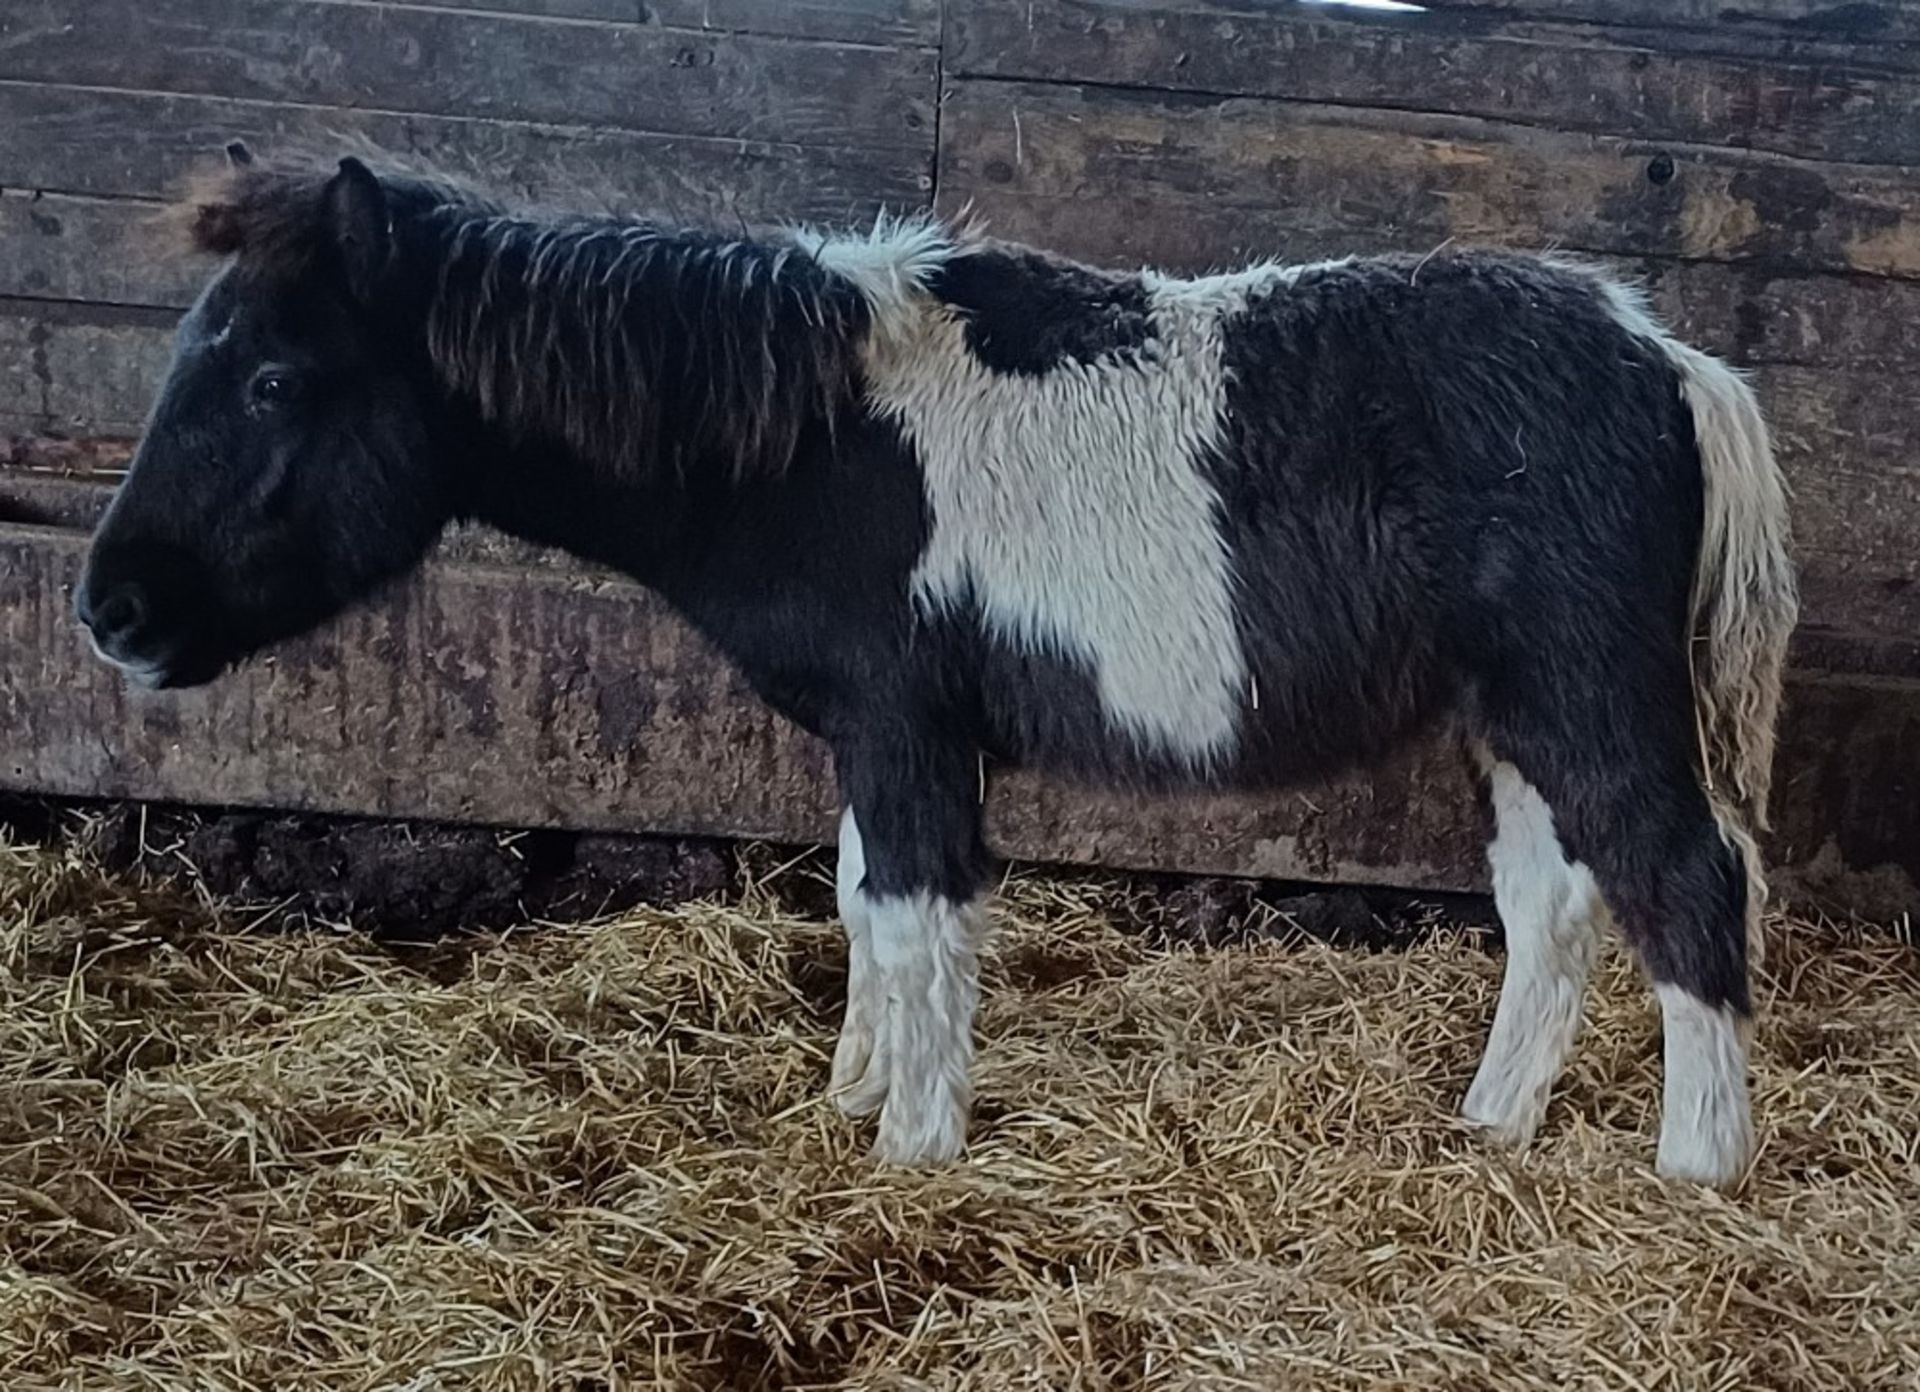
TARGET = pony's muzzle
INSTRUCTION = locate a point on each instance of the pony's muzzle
(132, 601)
(116, 616)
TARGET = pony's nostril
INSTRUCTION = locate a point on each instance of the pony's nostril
(117, 613)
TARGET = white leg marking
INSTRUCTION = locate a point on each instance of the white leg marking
(1551, 910)
(925, 958)
(1706, 1129)
(859, 1081)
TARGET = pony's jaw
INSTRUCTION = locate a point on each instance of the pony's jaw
(152, 673)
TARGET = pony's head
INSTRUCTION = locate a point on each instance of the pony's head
(380, 351)
(291, 463)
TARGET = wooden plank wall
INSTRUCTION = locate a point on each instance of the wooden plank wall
(1756, 168)
(725, 108)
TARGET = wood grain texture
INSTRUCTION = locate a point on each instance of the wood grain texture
(1753, 314)
(402, 58)
(1245, 176)
(1862, 22)
(892, 22)
(110, 251)
(1620, 83)
(143, 144)
(73, 369)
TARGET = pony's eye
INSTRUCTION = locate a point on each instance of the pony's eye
(272, 387)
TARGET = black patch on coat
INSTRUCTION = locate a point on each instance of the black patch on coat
(1028, 313)
(1460, 488)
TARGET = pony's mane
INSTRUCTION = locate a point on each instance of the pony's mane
(638, 345)
(642, 346)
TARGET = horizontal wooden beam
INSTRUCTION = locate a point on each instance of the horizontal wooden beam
(80, 369)
(1254, 176)
(423, 60)
(1463, 62)
(1861, 23)
(893, 22)
(110, 144)
(468, 695)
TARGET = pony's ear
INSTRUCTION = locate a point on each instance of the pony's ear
(357, 218)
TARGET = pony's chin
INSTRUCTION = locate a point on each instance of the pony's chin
(174, 672)
(180, 675)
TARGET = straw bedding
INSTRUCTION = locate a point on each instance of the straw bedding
(593, 1156)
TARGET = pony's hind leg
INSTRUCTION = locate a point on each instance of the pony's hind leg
(912, 866)
(1551, 911)
(1627, 802)
(1685, 912)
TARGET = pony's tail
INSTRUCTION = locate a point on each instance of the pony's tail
(1746, 600)
(1745, 593)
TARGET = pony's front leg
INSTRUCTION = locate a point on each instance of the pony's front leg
(912, 866)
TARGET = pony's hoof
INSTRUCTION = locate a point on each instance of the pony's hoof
(1503, 1108)
(1712, 1151)
(931, 1133)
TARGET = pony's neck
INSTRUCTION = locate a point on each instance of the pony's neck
(542, 494)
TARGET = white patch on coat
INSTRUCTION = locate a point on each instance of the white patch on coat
(1552, 911)
(925, 963)
(890, 266)
(859, 1081)
(1071, 507)
(1706, 1127)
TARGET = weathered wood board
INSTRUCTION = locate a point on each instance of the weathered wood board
(530, 695)
(877, 22)
(1470, 62)
(143, 145)
(1868, 27)
(420, 60)
(1243, 170)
